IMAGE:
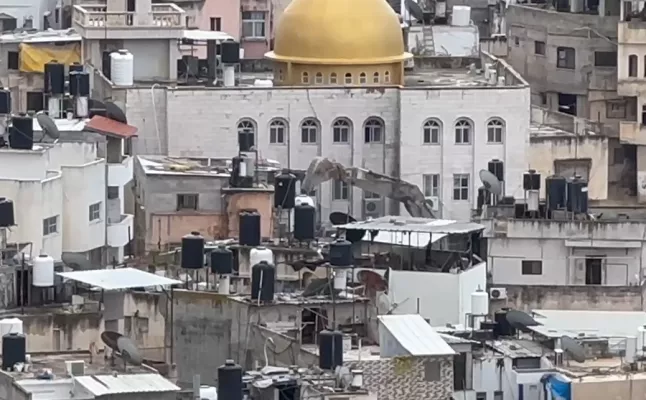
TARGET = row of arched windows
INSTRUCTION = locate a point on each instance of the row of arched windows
(373, 129)
(348, 78)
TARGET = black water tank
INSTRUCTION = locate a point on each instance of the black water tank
(14, 350)
(193, 251)
(341, 253)
(249, 228)
(21, 132)
(5, 101)
(497, 168)
(221, 261)
(577, 195)
(263, 280)
(106, 64)
(285, 191)
(230, 52)
(531, 180)
(304, 222)
(555, 189)
(330, 349)
(483, 197)
(230, 381)
(54, 77)
(7, 216)
(503, 327)
(80, 84)
(75, 67)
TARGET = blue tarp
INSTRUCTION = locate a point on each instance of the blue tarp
(559, 389)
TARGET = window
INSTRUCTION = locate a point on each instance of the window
(113, 192)
(605, 58)
(280, 75)
(348, 79)
(305, 78)
(341, 131)
(495, 130)
(616, 109)
(463, 132)
(318, 78)
(543, 98)
(593, 270)
(50, 225)
(526, 363)
(187, 201)
(432, 132)
(333, 78)
(309, 131)
(431, 185)
(432, 370)
(375, 77)
(13, 60)
(373, 131)
(253, 24)
(531, 267)
(498, 395)
(95, 211)
(246, 134)
(216, 24)
(565, 57)
(340, 191)
(363, 78)
(277, 130)
(481, 395)
(516, 41)
(387, 77)
(539, 48)
(461, 187)
(632, 65)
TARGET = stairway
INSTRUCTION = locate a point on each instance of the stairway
(429, 43)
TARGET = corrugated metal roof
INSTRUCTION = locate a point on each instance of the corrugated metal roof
(450, 339)
(410, 224)
(110, 127)
(117, 279)
(415, 335)
(101, 385)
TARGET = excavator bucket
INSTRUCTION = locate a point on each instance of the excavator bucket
(320, 170)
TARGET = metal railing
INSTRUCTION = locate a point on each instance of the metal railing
(161, 16)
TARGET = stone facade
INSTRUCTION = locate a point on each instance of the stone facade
(408, 378)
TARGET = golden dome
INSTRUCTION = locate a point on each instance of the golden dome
(338, 32)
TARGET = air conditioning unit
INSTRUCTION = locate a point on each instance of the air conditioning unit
(75, 368)
(497, 293)
(372, 208)
(435, 202)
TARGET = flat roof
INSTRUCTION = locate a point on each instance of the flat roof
(102, 385)
(196, 34)
(48, 36)
(118, 279)
(411, 224)
(162, 165)
(415, 335)
(64, 125)
(412, 239)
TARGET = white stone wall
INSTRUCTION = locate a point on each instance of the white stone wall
(203, 123)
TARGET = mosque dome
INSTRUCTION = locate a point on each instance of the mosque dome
(339, 32)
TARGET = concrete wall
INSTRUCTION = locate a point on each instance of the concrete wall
(622, 387)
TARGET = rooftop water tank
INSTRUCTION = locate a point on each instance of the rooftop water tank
(221, 261)
(531, 180)
(285, 191)
(555, 192)
(7, 216)
(14, 350)
(304, 222)
(230, 381)
(479, 303)
(304, 199)
(10, 325)
(330, 349)
(263, 281)
(54, 78)
(122, 68)
(249, 228)
(260, 254)
(461, 16)
(43, 271)
(340, 254)
(21, 132)
(5, 101)
(193, 251)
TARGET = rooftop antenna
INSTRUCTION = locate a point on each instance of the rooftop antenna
(491, 184)
(48, 125)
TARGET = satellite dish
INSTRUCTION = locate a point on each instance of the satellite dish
(339, 218)
(96, 107)
(77, 261)
(520, 320)
(48, 125)
(123, 345)
(415, 10)
(573, 349)
(490, 182)
(115, 112)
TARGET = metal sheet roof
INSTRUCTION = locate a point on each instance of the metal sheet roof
(101, 385)
(415, 335)
(110, 127)
(410, 224)
(195, 34)
(117, 279)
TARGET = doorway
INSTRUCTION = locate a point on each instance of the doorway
(567, 103)
(593, 270)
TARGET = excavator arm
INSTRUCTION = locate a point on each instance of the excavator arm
(323, 169)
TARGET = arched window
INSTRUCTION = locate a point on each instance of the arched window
(341, 131)
(375, 77)
(277, 131)
(318, 79)
(373, 130)
(309, 131)
(463, 131)
(305, 78)
(246, 134)
(387, 77)
(363, 78)
(495, 131)
(432, 132)
(333, 78)
(632, 65)
(280, 74)
(348, 79)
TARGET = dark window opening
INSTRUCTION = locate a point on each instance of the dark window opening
(216, 24)
(187, 201)
(593, 271)
(632, 65)
(567, 103)
(13, 60)
(526, 363)
(530, 267)
(460, 371)
(312, 321)
(605, 58)
(539, 48)
(565, 57)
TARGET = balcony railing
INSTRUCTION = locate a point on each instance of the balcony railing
(120, 232)
(97, 16)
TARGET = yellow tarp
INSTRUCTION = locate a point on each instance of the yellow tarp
(33, 57)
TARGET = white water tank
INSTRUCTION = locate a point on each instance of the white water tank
(641, 338)
(259, 254)
(43, 271)
(122, 66)
(304, 199)
(340, 279)
(479, 303)
(208, 393)
(631, 349)
(10, 325)
(461, 16)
